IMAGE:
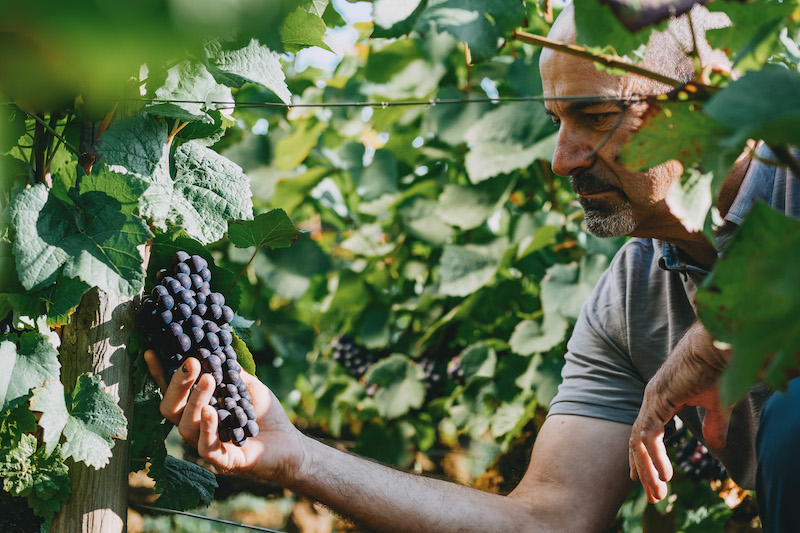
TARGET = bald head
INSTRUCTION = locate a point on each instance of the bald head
(667, 52)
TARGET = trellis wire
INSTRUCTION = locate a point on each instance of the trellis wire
(202, 517)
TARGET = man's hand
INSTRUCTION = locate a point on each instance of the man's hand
(276, 453)
(687, 377)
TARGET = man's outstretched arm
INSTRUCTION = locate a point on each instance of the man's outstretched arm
(576, 480)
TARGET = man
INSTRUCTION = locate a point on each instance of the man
(641, 312)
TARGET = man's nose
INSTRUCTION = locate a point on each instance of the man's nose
(573, 151)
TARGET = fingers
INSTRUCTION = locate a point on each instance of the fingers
(654, 486)
(155, 369)
(177, 394)
(189, 426)
(208, 443)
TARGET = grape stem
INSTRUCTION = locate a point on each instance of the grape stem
(242, 271)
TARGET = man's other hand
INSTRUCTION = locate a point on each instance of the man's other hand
(276, 453)
(688, 377)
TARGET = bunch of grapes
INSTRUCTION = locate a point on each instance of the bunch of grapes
(433, 378)
(695, 461)
(185, 318)
(455, 370)
(356, 359)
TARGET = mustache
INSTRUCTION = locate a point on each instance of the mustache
(587, 182)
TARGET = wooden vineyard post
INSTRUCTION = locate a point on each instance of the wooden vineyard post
(95, 340)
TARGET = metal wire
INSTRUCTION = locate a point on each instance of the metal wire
(201, 517)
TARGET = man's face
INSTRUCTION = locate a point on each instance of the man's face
(591, 135)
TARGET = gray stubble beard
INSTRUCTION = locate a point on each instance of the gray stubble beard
(602, 221)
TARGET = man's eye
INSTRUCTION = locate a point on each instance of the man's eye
(599, 119)
(556, 121)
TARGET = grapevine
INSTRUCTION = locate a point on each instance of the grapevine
(187, 319)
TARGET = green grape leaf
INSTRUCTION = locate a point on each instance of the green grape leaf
(567, 286)
(207, 191)
(510, 137)
(291, 191)
(12, 127)
(753, 35)
(478, 361)
(481, 24)
(400, 386)
(671, 130)
(49, 400)
(289, 271)
(88, 418)
(51, 488)
(690, 200)
(187, 93)
(136, 143)
(302, 29)
(467, 207)
(393, 19)
(243, 355)
(182, 485)
(148, 429)
(751, 291)
(542, 375)
(465, 269)
(761, 105)
(531, 337)
(268, 230)
(317, 7)
(35, 361)
(389, 444)
(16, 420)
(382, 65)
(292, 150)
(600, 31)
(254, 63)
(96, 239)
(451, 122)
(420, 219)
(42, 478)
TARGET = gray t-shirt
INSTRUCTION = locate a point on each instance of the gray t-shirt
(639, 310)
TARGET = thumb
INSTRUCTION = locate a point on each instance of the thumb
(715, 428)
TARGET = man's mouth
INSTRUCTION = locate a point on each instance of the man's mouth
(589, 185)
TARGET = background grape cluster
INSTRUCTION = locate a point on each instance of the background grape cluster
(185, 318)
(694, 459)
(355, 359)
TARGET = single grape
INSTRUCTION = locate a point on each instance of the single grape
(197, 281)
(197, 335)
(212, 341)
(176, 328)
(166, 302)
(195, 321)
(184, 342)
(159, 290)
(251, 428)
(184, 280)
(180, 257)
(210, 327)
(216, 299)
(215, 311)
(201, 310)
(198, 264)
(237, 436)
(161, 274)
(227, 314)
(225, 337)
(224, 417)
(166, 317)
(184, 311)
(228, 403)
(224, 434)
(205, 274)
(182, 268)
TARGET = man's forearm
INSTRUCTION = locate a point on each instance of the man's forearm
(385, 499)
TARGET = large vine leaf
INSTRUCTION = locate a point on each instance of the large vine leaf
(531, 337)
(399, 383)
(567, 286)
(761, 105)
(136, 143)
(393, 19)
(268, 230)
(752, 290)
(95, 239)
(254, 63)
(601, 31)
(88, 418)
(302, 29)
(29, 365)
(187, 93)
(505, 139)
(481, 24)
(207, 191)
(182, 485)
(42, 478)
(465, 269)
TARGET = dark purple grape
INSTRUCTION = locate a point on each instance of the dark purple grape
(197, 335)
(227, 314)
(184, 311)
(237, 435)
(205, 289)
(195, 321)
(210, 327)
(239, 416)
(229, 352)
(250, 411)
(174, 286)
(182, 268)
(180, 257)
(166, 317)
(224, 417)
(184, 342)
(159, 290)
(227, 403)
(212, 341)
(201, 310)
(215, 311)
(161, 274)
(176, 328)
(216, 299)
(224, 434)
(200, 298)
(184, 280)
(198, 264)
(166, 302)
(246, 396)
(251, 428)
(197, 281)
(217, 377)
(213, 401)
(225, 337)
(242, 386)
(205, 274)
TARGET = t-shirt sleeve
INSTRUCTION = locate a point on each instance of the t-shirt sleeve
(598, 378)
